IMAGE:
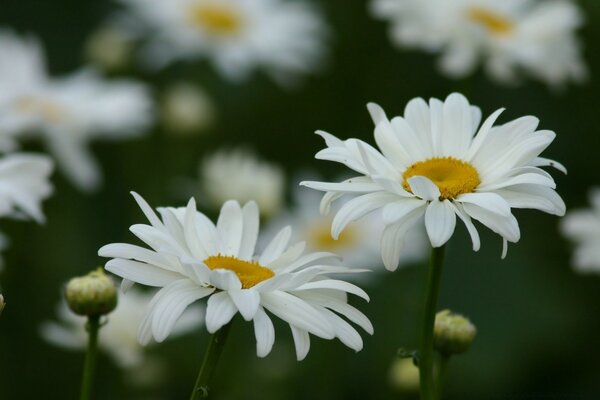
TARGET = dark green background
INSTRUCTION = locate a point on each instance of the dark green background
(538, 321)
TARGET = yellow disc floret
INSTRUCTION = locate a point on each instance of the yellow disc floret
(249, 272)
(452, 176)
(496, 24)
(319, 236)
(216, 18)
(48, 110)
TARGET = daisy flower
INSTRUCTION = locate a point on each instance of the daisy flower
(355, 245)
(436, 163)
(283, 37)
(248, 178)
(191, 258)
(583, 228)
(118, 336)
(67, 112)
(509, 37)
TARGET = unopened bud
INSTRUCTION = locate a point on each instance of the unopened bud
(94, 294)
(110, 48)
(2, 303)
(453, 333)
(404, 375)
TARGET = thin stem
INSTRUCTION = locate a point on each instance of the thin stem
(428, 391)
(211, 357)
(441, 373)
(93, 326)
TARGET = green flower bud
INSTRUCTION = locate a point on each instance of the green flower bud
(91, 295)
(453, 333)
(2, 303)
(404, 375)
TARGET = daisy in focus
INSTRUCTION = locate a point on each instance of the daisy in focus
(239, 174)
(118, 337)
(582, 226)
(191, 258)
(285, 38)
(509, 37)
(436, 162)
(355, 245)
(67, 112)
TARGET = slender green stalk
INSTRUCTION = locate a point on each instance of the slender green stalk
(442, 364)
(93, 326)
(211, 357)
(428, 391)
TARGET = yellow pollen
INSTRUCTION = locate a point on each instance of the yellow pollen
(319, 236)
(496, 24)
(48, 110)
(249, 272)
(216, 18)
(453, 177)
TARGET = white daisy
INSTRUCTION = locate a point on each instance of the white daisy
(67, 112)
(192, 258)
(583, 228)
(357, 245)
(118, 335)
(239, 174)
(510, 36)
(285, 38)
(437, 164)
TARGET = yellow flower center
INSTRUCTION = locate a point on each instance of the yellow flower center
(48, 110)
(496, 24)
(249, 272)
(453, 177)
(319, 236)
(217, 19)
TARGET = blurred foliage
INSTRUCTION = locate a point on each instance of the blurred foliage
(537, 319)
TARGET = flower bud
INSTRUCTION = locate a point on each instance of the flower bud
(2, 303)
(91, 295)
(187, 109)
(453, 333)
(404, 375)
(110, 48)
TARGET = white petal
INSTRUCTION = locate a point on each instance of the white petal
(394, 212)
(147, 210)
(246, 301)
(376, 112)
(219, 311)
(457, 126)
(507, 227)
(466, 219)
(264, 332)
(250, 216)
(229, 226)
(483, 133)
(335, 284)
(546, 162)
(392, 238)
(276, 247)
(440, 221)
(225, 279)
(145, 274)
(489, 201)
(357, 208)
(301, 342)
(344, 331)
(424, 188)
(352, 185)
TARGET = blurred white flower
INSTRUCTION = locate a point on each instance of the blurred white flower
(110, 48)
(240, 175)
(436, 164)
(66, 112)
(582, 226)
(118, 335)
(191, 258)
(358, 244)
(186, 109)
(286, 38)
(509, 36)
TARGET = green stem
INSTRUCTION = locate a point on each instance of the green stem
(428, 391)
(93, 326)
(211, 357)
(441, 373)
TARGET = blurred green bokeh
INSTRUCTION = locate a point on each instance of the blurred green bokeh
(538, 321)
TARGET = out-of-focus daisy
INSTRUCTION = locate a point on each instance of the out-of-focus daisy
(118, 336)
(512, 36)
(238, 174)
(286, 38)
(110, 47)
(24, 184)
(192, 258)
(186, 109)
(583, 228)
(357, 244)
(435, 162)
(67, 112)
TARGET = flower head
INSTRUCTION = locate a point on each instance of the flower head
(437, 163)
(192, 258)
(66, 112)
(509, 37)
(583, 228)
(284, 38)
